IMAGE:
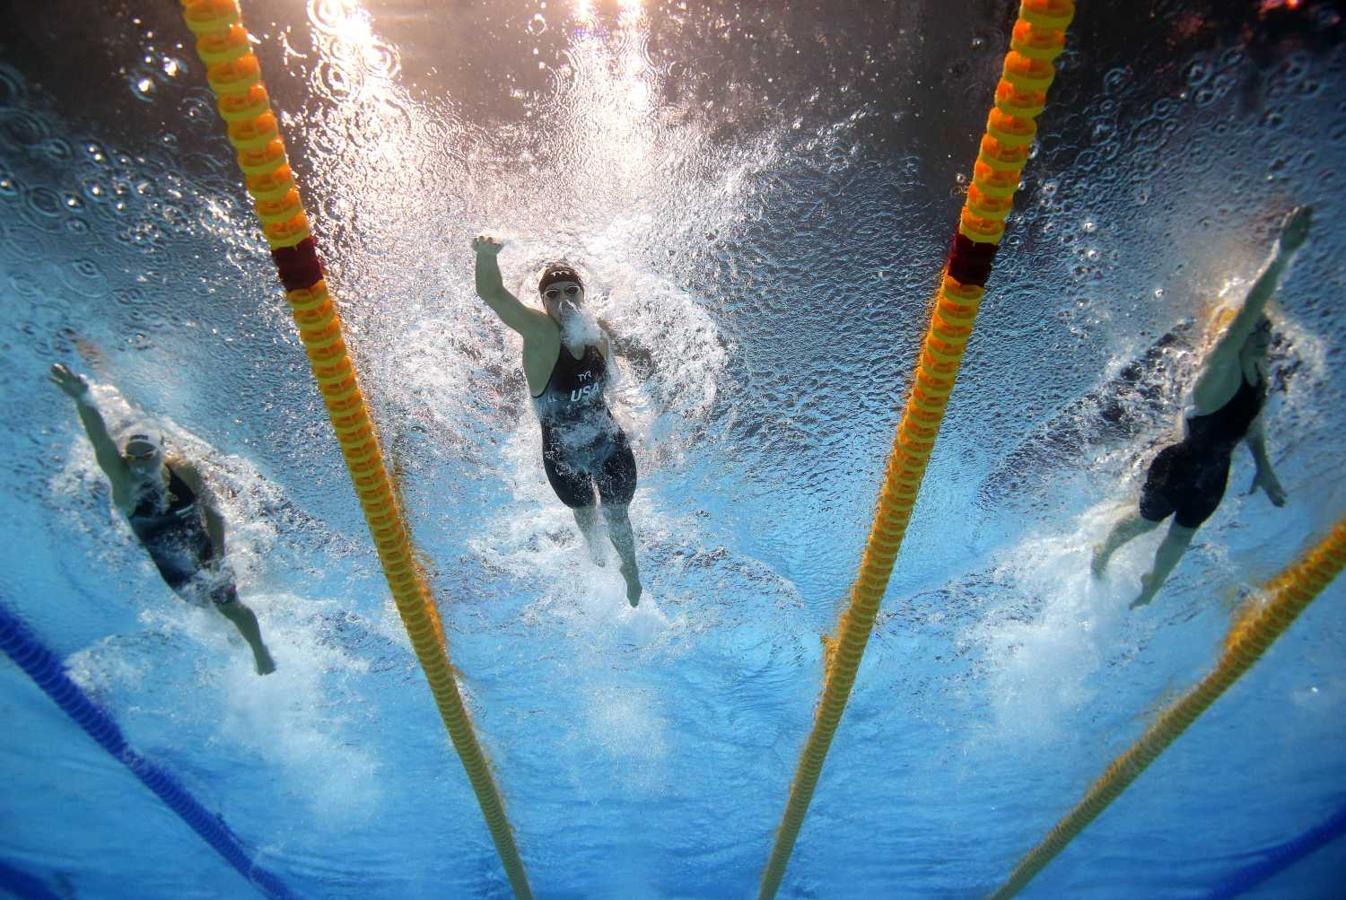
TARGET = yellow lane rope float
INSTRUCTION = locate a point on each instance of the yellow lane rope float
(235, 76)
(1266, 618)
(1038, 38)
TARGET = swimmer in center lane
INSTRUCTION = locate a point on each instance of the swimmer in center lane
(1187, 479)
(170, 509)
(585, 453)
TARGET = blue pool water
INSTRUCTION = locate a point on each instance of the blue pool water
(761, 200)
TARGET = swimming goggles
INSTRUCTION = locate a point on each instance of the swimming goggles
(138, 441)
(555, 293)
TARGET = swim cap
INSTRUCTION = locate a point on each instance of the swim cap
(558, 272)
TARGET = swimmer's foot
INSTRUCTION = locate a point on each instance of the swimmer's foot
(1099, 564)
(1147, 591)
(633, 588)
(263, 661)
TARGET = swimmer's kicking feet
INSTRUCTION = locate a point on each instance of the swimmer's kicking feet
(585, 453)
(1187, 479)
(170, 509)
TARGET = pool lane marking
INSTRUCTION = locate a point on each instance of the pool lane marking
(1263, 619)
(235, 75)
(47, 672)
(1037, 39)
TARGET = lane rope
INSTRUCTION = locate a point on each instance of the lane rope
(47, 672)
(1263, 619)
(1282, 857)
(1020, 96)
(235, 76)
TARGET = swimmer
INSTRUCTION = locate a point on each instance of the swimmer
(585, 453)
(171, 512)
(1187, 479)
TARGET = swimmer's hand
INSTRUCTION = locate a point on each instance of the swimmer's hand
(1267, 481)
(72, 385)
(483, 243)
(1295, 231)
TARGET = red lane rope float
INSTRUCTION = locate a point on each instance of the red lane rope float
(235, 76)
(1038, 38)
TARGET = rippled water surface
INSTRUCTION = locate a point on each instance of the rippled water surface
(760, 199)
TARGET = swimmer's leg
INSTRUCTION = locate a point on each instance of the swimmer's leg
(619, 530)
(1172, 548)
(1129, 527)
(586, 517)
(245, 620)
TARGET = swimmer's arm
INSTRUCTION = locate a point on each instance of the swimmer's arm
(1220, 373)
(104, 448)
(105, 451)
(491, 288)
(1265, 477)
(625, 347)
(209, 508)
(1294, 232)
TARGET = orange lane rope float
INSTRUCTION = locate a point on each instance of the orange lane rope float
(1038, 38)
(1266, 618)
(235, 76)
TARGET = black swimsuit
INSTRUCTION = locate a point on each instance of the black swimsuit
(583, 448)
(1188, 479)
(176, 538)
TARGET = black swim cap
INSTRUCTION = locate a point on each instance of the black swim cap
(558, 272)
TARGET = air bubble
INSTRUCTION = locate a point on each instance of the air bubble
(143, 87)
(537, 25)
(87, 268)
(24, 129)
(1116, 79)
(1197, 73)
(45, 202)
(58, 149)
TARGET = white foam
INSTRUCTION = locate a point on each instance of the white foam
(287, 719)
(1044, 656)
(579, 328)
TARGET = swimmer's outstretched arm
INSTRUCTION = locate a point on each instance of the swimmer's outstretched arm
(491, 288)
(1294, 232)
(104, 448)
(1265, 478)
(1225, 353)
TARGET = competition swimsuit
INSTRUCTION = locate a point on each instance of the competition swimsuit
(1188, 479)
(583, 448)
(176, 538)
